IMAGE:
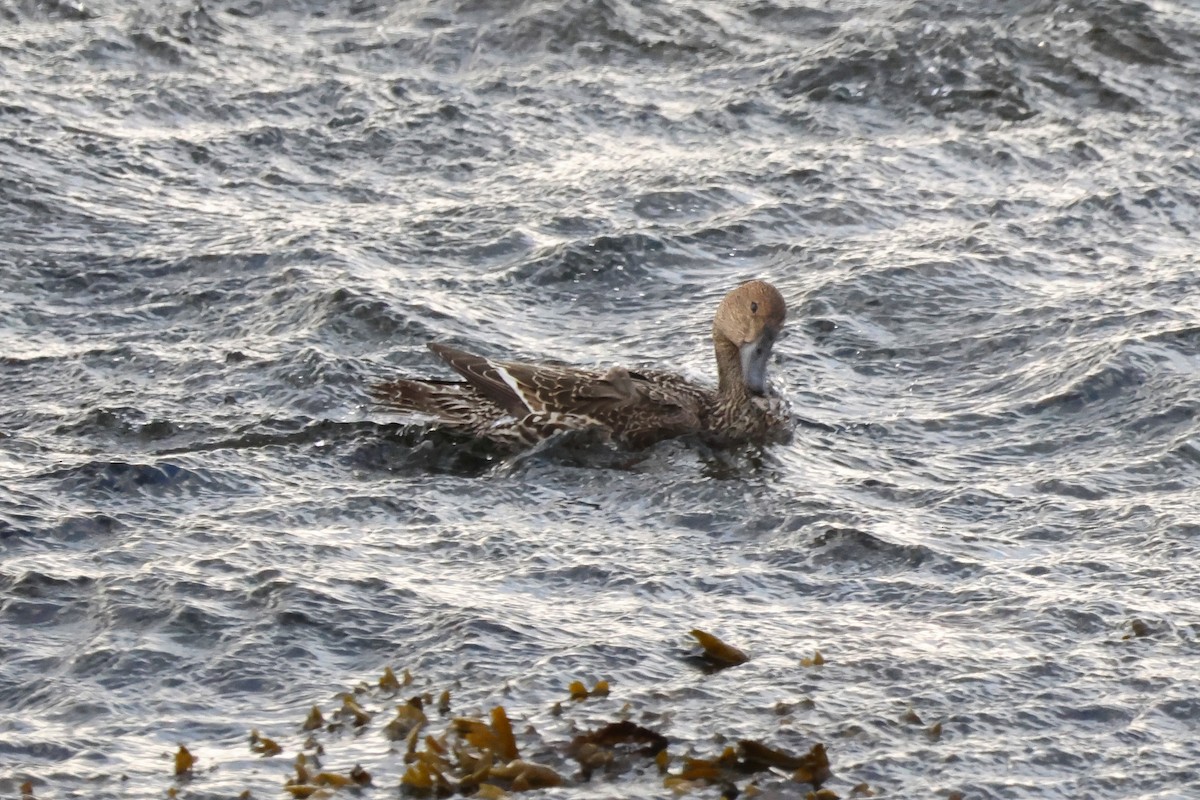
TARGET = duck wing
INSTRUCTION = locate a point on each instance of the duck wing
(522, 389)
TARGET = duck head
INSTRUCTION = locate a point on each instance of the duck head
(747, 323)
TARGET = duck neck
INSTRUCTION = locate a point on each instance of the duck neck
(731, 384)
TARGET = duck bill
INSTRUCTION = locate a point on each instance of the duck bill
(755, 356)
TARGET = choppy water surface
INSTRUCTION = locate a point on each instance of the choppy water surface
(222, 220)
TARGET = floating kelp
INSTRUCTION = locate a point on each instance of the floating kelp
(816, 660)
(356, 777)
(353, 711)
(471, 753)
(612, 745)
(506, 745)
(592, 757)
(815, 769)
(712, 770)
(184, 761)
(756, 756)
(477, 734)
(426, 777)
(314, 720)
(580, 692)
(480, 756)
(716, 653)
(1138, 628)
(263, 746)
(306, 784)
(933, 731)
(301, 770)
(526, 775)
(749, 757)
(388, 682)
(410, 715)
(622, 734)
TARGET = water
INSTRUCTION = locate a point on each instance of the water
(223, 220)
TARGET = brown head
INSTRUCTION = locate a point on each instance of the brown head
(747, 323)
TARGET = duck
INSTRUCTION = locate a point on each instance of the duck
(517, 405)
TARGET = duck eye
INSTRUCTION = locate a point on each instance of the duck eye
(753, 308)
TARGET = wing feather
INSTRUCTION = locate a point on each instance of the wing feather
(490, 378)
(639, 405)
(526, 388)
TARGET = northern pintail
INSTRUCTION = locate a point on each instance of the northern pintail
(516, 404)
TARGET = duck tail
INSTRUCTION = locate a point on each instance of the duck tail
(452, 403)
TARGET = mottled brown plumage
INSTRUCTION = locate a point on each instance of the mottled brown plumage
(519, 404)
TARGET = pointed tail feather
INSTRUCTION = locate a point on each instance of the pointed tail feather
(452, 403)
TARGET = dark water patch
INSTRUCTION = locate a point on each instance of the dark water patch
(490, 253)
(1178, 419)
(861, 552)
(282, 432)
(682, 205)
(1127, 32)
(133, 283)
(877, 339)
(129, 425)
(975, 505)
(1184, 709)
(927, 66)
(797, 20)
(120, 478)
(603, 260)
(22, 517)
(39, 750)
(159, 45)
(411, 449)
(572, 450)
(1069, 80)
(33, 585)
(126, 668)
(1074, 489)
(579, 575)
(609, 31)
(48, 10)
(1099, 386)
(300, 615)
(83, 711)
(733, 235)
(197, 26)
(356, 316)
(38, 613)
(1188, 451)
(1184, 340)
